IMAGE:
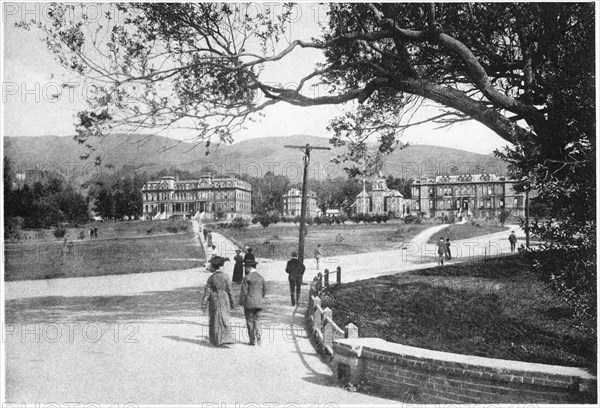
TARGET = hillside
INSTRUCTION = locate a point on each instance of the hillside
(254, 157)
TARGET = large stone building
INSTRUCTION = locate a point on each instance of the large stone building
(171, 198)
(381, 200)
(474, 195)
(292, 203)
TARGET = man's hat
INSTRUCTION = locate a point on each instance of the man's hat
(250, 263)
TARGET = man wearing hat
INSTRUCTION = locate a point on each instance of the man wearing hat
(295, 269)
(512, 238)
(251, 298)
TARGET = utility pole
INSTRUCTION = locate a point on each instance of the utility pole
(306, 149)
(527, 218)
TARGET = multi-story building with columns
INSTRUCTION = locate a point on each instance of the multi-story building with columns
(472, 195)
(171, 198)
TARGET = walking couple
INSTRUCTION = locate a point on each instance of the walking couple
(218, 294)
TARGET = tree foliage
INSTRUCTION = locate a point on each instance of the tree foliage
(118, 196)
(201, 65)
(49, 202)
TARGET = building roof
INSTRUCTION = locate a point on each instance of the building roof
(295, 192)
(463, 178)
(205, 182)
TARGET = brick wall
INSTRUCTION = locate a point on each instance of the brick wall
(426, 376)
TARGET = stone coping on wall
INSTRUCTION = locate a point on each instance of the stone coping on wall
(357, 346)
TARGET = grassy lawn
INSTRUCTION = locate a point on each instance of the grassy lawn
(277, 241)
(494, 309)
(469, 230)
(106, 229)
(103, 255)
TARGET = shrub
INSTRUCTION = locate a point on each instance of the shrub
(265, 221)
(409, 219)
(59, 232)
(11, 228)
(239, 223)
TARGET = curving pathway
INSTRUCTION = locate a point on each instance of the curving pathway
(142, 338)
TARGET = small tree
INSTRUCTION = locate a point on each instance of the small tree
(503, 216)
(59, 232)
(264, 220)
(239, 223)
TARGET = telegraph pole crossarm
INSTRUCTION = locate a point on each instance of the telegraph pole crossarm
(306, 150)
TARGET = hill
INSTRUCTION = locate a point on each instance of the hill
(253, 157)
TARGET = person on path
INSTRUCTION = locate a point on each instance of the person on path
(447, 253)
(295, 269)
(512, 238)
(252, 296)
(218, 294)
(249, 256)
(441, 250)
(238, 268)
(318, 255)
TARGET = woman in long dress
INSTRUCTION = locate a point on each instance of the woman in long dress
(238, 268)
(219, 296)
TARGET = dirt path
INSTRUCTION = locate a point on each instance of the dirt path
(142, 338)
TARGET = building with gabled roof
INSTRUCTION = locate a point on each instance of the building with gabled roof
(381, 200)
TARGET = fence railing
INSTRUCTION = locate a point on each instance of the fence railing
(321, 325)
(323, 281)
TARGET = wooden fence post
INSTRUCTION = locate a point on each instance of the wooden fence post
(351, 331)
(317, 314)
(328, 328)
(339, 274)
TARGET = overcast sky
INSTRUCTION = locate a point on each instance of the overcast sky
(31, 76)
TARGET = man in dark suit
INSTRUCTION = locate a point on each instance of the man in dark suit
(251, 298)
(295, 270)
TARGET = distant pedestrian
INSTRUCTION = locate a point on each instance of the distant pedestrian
(448, 254)
(295, 269)
(441, 250)
(318, 255)
(95, 232)
(512, 238)
(252, 296)
(249, 256)
(238, 268)
(214, 252)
